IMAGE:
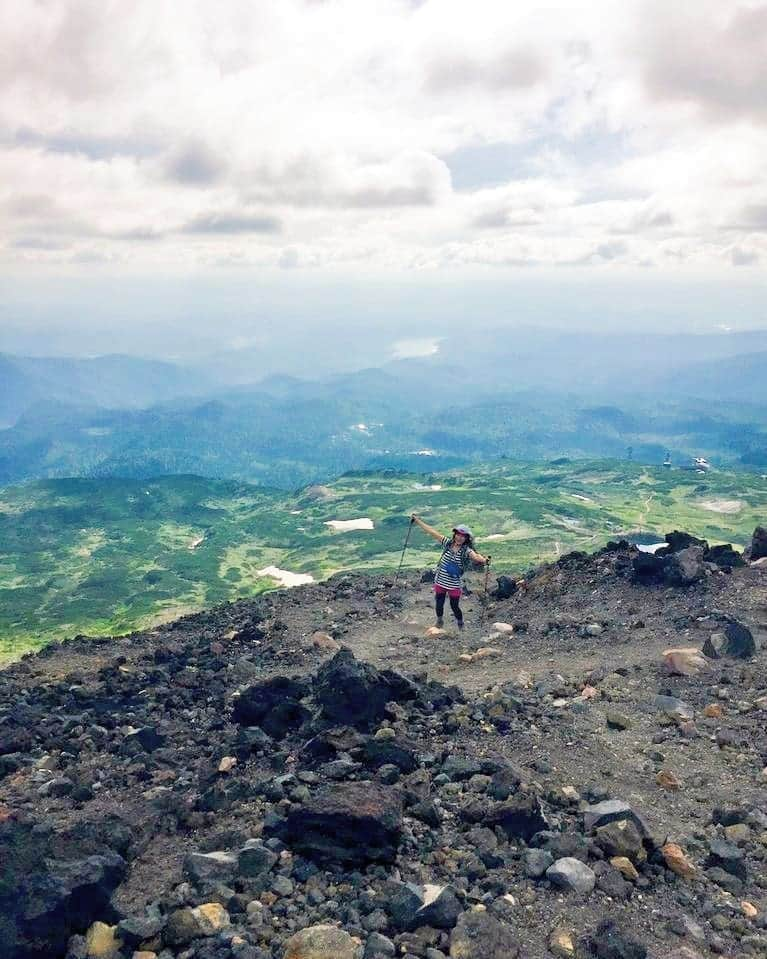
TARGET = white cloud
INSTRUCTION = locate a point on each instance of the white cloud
(383, 133)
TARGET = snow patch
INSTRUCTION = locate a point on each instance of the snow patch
(285, 577)
(345, 525)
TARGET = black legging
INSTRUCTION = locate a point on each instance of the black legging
(454, 605)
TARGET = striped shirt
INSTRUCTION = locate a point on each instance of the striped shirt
(451, 557)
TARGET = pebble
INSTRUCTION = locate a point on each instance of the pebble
(677, 862)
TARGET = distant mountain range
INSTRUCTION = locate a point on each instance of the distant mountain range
(527, 394)
(114, 382)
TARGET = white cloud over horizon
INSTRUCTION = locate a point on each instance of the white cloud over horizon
(383, 135)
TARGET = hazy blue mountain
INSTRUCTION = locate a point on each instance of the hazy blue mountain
(117, 382)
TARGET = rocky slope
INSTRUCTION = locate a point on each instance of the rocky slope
(317, 775)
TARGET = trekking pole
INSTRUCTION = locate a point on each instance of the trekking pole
(402, 558)
(487, 577)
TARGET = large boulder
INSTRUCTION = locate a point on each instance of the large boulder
(274, 705)
(685, 567)
(352, 823)
(739, 641)
(758, 547)
(678, 541)
(725, 556)
(52, 886)
(356, 693)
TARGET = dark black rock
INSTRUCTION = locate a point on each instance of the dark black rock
(725, 557)
(677, 541)
(352, 692)
(146, 739)
(273, 705)
(51, 888)
(684, 567)
(648, 567)
(758, 547)
(609, 942)
(727, 856)
(520, 817)
(395, 752)
(506, 587)
(739, 642)
(14, 739)
(352, 822)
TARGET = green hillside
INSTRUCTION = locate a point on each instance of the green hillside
(109, 556)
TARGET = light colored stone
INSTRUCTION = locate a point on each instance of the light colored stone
(487, 652)
(626, 867)
(749, 909)
(227, 764)
(503, 627)
(667, 780)
(739, 832)
(435, 631)
(322, 942)
(211, 918)
(684, 661)
(144, 954)
(589, 692)
(677, 862)
(561, 943)
(713, 711)
(101, 941)
(324, 641)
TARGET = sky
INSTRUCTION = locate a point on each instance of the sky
(238, 169)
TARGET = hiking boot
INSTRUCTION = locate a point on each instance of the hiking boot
(459, 623)
(440, 622)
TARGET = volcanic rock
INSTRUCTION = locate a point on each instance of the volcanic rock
(609, 942)
(520, 818)
(478, 935)
(61, 896)
(758, 547)
(572, 874)
(356, 693)
(322, 942)
(274, 705)
(352, 823)
(684, 568)
(739, 641)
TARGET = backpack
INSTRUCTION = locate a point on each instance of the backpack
(450, 566)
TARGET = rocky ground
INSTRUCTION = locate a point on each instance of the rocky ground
(319, 775)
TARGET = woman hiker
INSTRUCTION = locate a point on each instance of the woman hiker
(456, 553)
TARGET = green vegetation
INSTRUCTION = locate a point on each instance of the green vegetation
(109, 556)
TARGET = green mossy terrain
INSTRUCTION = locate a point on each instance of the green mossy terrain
(110, 556)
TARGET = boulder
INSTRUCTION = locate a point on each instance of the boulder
(621, 838)
(274, 705)
(612, 810)
(65, 891)
(686, 567)
(610, 942)
(506, 587)
(520, 817)
(677, 541)
(352, 823)
(725, 557)
(684, 661)
(572, 874)
(478, 935)
(356, 693)
(739, 641)
(411, 906)
(758, 548)
(399, 752)
(648, 567)
(322, 942)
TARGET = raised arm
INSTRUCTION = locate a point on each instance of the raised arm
(476, 557)
(426, 528)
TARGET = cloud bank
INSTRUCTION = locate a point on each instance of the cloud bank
(383, 134)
